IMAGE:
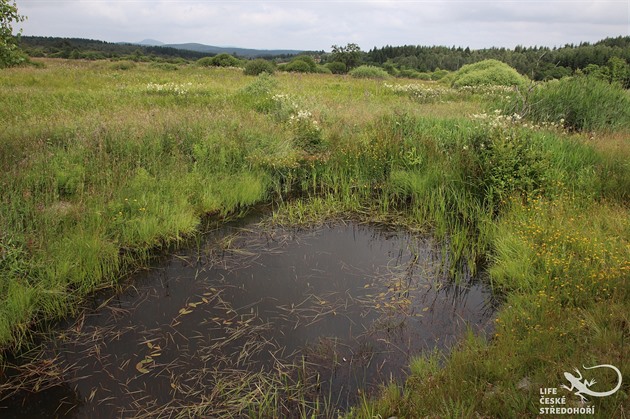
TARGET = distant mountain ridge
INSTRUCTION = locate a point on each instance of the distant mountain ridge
(150, 43)
(56, 47)
(211, 49)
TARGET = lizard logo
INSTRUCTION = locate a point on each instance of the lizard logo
(582, 388)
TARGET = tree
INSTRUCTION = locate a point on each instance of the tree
(337, 67)
(350, 55)
(10, 54)
(302, 64)
(619, 71)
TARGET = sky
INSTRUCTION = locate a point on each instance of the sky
(317, 25)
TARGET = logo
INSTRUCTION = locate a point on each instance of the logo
(582, 388)
(552, 404)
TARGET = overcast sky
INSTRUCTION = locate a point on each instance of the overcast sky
(316, 25)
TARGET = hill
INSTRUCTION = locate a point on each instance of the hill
(241, 52)
(41, 46)
(148, 42)
(55, 47)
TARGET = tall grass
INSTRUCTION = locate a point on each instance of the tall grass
(579, 103)
(369, 72)
(88, 193)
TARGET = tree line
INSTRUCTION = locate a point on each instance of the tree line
(538, 63)
(79, 48)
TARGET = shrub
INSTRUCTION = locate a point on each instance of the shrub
(225, 60)
(413, 74)
(258, 66)
(337, 67)
(10, 53)
(302, 64)
(221, 60)
(322, 69)
(439, 74)
(205, 62)
(580, 103)
(298, 66)
(487, 73)
(391, 68)
(369, 72)
(312, 65)
(424, 76)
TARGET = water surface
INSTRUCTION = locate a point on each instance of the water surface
(324, 313)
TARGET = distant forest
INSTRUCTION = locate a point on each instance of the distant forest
(89, 49)
(538, 63)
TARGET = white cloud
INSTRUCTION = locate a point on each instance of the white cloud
(319, 24)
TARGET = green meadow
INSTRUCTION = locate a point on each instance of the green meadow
(106, 164)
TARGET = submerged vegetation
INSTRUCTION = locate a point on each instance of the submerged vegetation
(530, 182)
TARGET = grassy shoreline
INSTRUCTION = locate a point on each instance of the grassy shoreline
(103, 165)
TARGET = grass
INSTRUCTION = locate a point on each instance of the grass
(580, 103)
(101, 168)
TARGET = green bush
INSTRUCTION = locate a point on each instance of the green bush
(424, 76)
(259, 66)
(221, 60)
(322, 70)
(312, 65)
(391, 68)
(298, 66)
(337, 67)
(369, 72)
(413, 74)
(487, 73)
(225, 60)
(302, 64)
(205, 62)
(439, 74)
(10, 53)
(580, 103)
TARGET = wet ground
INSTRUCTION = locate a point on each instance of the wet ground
(280, 317)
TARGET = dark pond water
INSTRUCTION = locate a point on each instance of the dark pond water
(277, 316)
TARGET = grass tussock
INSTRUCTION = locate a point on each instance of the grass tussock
(127, 159)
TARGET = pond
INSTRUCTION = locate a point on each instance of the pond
(285, 318)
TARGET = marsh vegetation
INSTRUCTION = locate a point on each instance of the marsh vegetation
(105, 165)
